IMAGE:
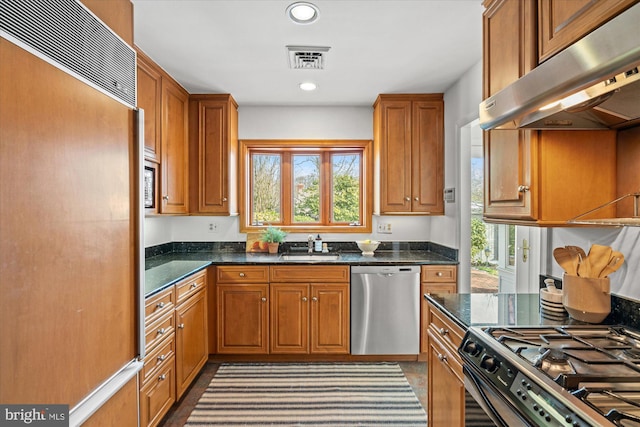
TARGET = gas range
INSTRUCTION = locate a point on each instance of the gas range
(556, 376)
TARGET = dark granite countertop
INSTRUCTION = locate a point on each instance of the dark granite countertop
(164, 270)
(495, 310)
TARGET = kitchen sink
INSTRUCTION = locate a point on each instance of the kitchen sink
(309, 257)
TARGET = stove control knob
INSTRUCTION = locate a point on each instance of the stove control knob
(490, 364)
(472, 348)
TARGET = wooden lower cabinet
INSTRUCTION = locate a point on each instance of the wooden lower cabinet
(158, 394)
(192, 349)
(445, 381)
(309, 318)
(176, 345)
(243, 318)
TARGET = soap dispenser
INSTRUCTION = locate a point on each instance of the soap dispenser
(318, 245)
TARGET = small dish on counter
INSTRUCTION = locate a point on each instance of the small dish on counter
(367, 246)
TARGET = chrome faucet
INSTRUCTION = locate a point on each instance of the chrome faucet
(310, 243)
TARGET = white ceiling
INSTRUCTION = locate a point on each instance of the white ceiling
(377, 46)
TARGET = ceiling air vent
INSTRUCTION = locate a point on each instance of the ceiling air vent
(307, 57)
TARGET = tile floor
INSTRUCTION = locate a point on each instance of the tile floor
(416, 373)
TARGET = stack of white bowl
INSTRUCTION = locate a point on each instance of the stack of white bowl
(551, 302)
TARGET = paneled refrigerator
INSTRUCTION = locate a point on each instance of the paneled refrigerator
(70, 221)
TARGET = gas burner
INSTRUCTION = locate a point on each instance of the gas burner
(554, 362)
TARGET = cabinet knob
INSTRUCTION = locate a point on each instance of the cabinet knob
(442, 357)
(162, 377)
(407, 198)
(304, 299)
(160, 305)
(523, 188)
(443, 331)
(224, 199)
(416, 199)
(263, 299)
(181, 326)
(314, 299)
(439, 274)
(194, 285)
(241, 274)
(161, 331)
(165, 198)
(162, 357)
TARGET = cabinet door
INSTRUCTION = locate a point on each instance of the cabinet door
(174, 188)
(395, 156)
(446, 391)
(213, 132)
(243, 316)
(563, 22)
(330, 318)
(149, 99)
(508, 189)
(289, 318)
(191, 340)
(427, 157)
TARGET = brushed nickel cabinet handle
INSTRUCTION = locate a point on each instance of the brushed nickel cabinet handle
(407, 198)
(224, 199)
(314, 299)
(165, 198)
(181, 326)
(241, 274)
(304, 299)
(160, 305)
(442, 357)
(416, 199)
(443, 331)
(194, 285)
(162, 357)
(439, 274)
(523, 188)
(162, 377)
(263, 299)
(161, 331)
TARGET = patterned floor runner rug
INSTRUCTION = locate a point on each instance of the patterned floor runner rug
(308, 394)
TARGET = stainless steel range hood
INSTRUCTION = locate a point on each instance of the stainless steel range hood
(592, 84)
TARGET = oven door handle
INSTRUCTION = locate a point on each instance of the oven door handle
(481, 393)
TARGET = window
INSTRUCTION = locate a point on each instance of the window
(306, 186)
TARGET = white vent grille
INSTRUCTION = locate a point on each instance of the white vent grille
(68, 34)
(307, 58)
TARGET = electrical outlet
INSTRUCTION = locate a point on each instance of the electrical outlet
(213, 227)
(384, 228)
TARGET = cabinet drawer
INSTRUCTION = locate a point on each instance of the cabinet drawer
(310, 273)
(438, 288)
(438, 273)
(157, 395)
(159, 305)
(450, 334)
(157, 331)
(242, 274)
(158, 358)
(446, 356)
(190, 286)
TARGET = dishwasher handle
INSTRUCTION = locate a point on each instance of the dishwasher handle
(386, 270)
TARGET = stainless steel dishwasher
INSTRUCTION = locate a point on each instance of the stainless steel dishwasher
(385, 309)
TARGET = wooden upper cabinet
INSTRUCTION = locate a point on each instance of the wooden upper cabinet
(213, 130)
(149, 99)
(174, 188)
(409, 147)
(563, 22)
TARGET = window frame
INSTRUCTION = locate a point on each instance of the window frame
(247, 147)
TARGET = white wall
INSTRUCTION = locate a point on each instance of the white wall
(272, 122)
(626, 281)
(460, 107)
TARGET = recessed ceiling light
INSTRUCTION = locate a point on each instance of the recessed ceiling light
(308, 86)
(303, 12)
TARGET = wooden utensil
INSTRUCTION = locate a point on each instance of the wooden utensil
(617, 259)
(584, 267)
(599, 257)
(566, 259)
(576, 256)
(577, 249)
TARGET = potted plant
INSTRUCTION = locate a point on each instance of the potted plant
(273, 236)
